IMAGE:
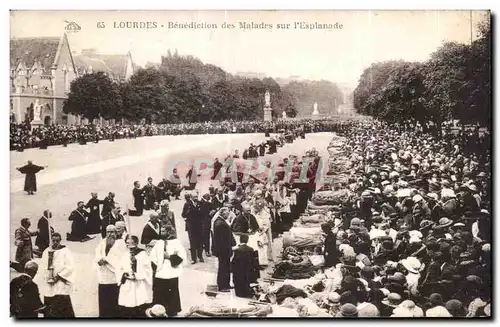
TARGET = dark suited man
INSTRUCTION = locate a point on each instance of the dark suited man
(222, 244)
(163, 189)
(206, 212)
(111, 218)
(192, 217)
(245, 268)
(24, 294)
(217, 165)
(107, 204)
(24, 252)
(175, 184)
(138, 195)
(150, 193)
(220, 198)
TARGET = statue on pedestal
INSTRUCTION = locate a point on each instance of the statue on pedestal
(283, 115)
(267, 99)
(37, 111)
(267, 107)
(315, 112)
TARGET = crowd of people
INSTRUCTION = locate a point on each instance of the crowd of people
(157, 256)
(406, 231)
(409, 236)
(23, 136)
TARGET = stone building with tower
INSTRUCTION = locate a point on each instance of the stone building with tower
(41, 68)
(41, 71)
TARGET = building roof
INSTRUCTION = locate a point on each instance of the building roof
(116, 64)
(83, 62)
(32, 49)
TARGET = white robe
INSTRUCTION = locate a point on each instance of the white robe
(106, 274)
(64, 266)
(264, 220)
(164, 269)
(134, 293)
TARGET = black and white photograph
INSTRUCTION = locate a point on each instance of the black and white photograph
(199, 164)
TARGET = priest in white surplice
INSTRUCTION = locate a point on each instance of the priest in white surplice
(135, 278)
(168, 255)
(107, 259)
(57, 269)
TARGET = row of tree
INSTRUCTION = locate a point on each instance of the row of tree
(183, 89)
(455, 83)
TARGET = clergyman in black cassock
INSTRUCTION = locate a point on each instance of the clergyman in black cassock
(192, 216)
(222, 244)
(152, 229)
(42, 240)
(79, 224)
(30, 170)
(111, 218)
(245, 223)
(24, 294)
(245, 268)
(108, 204)
(138, 195)
(94, 218)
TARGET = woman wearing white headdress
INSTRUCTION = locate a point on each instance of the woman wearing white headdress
(263, 216)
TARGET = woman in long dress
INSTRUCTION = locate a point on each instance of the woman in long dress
(263, 216)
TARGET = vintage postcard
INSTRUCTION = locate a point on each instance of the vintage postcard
(256, 164)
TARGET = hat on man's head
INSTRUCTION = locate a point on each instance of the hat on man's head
(367, 272)
(397, 278)
(436, 299)
(368, 310)
(333, 297)
(426, 225)
(392, 300)
(473, 279)
(348, 310)
(412, 264)
(455, 307)
(444, 223)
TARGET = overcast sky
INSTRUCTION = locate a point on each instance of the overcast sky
(338, 55)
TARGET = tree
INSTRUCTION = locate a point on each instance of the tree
(478, 103)
(446, 81)
(92, 96)
(371, 81)
(454, 83)
(144, 95)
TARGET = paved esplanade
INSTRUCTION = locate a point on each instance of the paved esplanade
(76, 171)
